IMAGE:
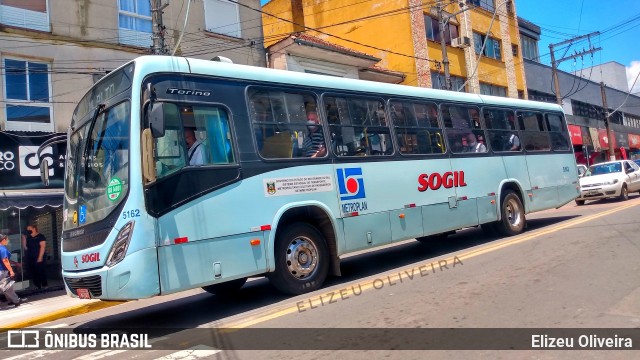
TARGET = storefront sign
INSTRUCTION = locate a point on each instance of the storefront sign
(604, 140)
(634, 141)
(621, 140)
(576, 134)
(19, 165)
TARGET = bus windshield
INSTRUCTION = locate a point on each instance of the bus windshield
(97, 176)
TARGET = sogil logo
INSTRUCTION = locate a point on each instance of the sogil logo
(29, 162)
(350, 184)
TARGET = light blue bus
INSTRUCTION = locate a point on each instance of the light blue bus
(186, 173)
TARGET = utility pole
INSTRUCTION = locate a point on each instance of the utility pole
(443, 45)
(158, 28)
(554, 63)
(442, 23)
(612, 154)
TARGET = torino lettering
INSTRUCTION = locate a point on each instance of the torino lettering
(435, 181)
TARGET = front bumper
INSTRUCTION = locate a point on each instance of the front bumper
(136, 277)
(600, 192)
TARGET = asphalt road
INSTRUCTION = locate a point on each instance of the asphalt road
(574, 267)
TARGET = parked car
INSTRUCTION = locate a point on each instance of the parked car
(609, 179)
(582, 169)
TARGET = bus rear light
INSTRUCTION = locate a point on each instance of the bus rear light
(410, 206)
(351, 214)
(492, 194)
(265, 227)
(254, 242)
(181, 240)
(462, 198)
(120, 246)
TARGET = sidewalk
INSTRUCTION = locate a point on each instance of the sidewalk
(42, 307)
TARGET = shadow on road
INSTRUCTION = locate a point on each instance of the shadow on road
(193, 311)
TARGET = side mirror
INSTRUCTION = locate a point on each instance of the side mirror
(44, 172)
(155, 117)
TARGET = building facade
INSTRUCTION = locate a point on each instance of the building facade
(52, 52)
(582, 103)
(482, 38)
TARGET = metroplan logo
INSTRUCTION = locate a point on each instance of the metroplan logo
(350, 183)
(29, 162)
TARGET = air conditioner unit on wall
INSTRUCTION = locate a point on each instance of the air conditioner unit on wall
(461, 42)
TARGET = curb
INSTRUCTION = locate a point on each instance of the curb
(60, 314)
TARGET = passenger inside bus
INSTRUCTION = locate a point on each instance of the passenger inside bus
(313, 143)
(473, 145)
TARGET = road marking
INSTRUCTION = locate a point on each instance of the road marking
(347, 290)
(99, 354)
(34, 354)
(196, 352)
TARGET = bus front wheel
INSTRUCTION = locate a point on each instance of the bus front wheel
(513, 220)
(302, 259)
(225, 288)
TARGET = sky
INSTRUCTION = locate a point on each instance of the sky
(618, 22)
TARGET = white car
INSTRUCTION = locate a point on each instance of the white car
(609, 179)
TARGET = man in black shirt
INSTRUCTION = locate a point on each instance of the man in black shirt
(34, 245)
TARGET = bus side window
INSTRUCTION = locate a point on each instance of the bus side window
(502, 132)
(558, 132)
(361, 128)
(463, 128)
(416, 128)
(170, 148)
(532, 132)
(295, 129)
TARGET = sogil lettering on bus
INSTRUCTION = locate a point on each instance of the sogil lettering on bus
(93, 257)
(435, 181)
(350, 184)
(114, 189)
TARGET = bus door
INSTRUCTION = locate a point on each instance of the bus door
(541, 165)
(462, 124)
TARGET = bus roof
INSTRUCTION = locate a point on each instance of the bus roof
(154, 63)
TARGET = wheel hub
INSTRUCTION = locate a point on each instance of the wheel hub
(302, 257)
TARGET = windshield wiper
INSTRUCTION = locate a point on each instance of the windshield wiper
(96, 113)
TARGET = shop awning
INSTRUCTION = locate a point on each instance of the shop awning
(23, 200)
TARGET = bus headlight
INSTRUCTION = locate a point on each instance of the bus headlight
(120, 246)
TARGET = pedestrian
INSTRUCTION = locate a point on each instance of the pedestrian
(34, 246)
(6, 273)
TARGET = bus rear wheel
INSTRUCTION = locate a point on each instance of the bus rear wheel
(513, 220)
(302, 259)
(225, 288)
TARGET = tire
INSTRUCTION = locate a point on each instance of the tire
(512, 220)
(225, 288)
(302, 259)
(432, 238)
(624, 193)
(579, 202)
